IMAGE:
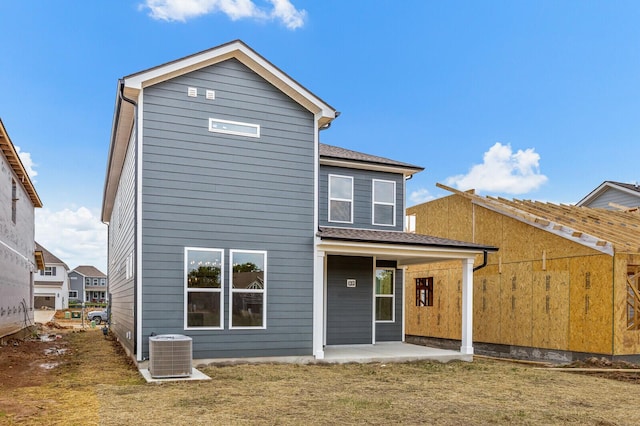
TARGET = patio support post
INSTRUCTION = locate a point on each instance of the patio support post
(318, 305)
(467, 307)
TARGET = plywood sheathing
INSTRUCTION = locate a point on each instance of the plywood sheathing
(564, 312)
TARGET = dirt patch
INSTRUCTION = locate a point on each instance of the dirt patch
(615, 367)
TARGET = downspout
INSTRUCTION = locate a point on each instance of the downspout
(135, 210)
(485, 256)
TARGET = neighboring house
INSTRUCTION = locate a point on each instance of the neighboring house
(51, 285)
(613, 196)
(565, 284)
(88, 284)
(18, 258)
(230, 223)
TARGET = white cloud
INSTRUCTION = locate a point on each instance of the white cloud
(183, 10)
(420, 196)
(503, 171)
(76, 237)
(27, 162)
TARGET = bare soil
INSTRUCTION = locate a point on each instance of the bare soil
(82, 377)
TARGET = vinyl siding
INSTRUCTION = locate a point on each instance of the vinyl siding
(213, 190)
(362, 190)
(612, 195)
(121, 246)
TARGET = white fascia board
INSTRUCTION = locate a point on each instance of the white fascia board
(369, 166)
(602, 189)
(405, 254)
(558, 229)
(249, 58)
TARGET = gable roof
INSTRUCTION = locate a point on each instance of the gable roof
(131, 86)
(603, 230)
(628, 188)
(50, 257)
(337, 156)
(9, 151)
(89, 271)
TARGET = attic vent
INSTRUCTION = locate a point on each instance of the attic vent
(210, 94)
(170, 356)
(192, 92)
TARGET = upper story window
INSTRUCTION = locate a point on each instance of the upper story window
(95, 281)
(234, 128)
(87, 281)
(103, 281)
(204, 274)
(384, 202)
(340, 199)
(14, 201)
(49, 271)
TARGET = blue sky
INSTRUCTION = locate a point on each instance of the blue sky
(521, 99)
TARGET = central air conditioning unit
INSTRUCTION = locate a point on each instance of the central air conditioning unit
(169, 356)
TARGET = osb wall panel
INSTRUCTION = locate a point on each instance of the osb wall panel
(517, 239)
(626, 341)
(488, 228)
(515, 299)
(550, 305)
(486, 306)
(432, 321)
(460, 224)
(591, 307)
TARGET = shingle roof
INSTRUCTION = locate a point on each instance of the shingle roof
(335, 152)
(395, 237)
(89, 271)
(50, 257)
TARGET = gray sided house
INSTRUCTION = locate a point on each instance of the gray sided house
(18, 257)
(230, 223)
(88, 284)
(613, 196)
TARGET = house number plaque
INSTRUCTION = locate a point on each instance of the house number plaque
(351, 283)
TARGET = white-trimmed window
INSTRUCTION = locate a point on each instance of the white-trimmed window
(248, 295)
(385, 295)
(234, 128)
(384, 202)
(49, 271)
(203, 278)
(73, 294)
(340, 199)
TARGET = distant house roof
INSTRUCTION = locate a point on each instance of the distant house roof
(603, 230)
(395, 237)
(50, 257)
(9, 151)
(89, 271)
(628, 188)
(334, 155)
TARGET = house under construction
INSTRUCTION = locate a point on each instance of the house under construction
(564, 285)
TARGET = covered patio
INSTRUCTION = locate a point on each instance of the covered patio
(389, 352)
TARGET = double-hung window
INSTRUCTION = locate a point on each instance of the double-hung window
(204, 272)
(248, 295)
(384, 202)
(385, 295)
(49, 271)
(340, 199)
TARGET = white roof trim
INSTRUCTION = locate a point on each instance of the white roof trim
(404, 254)
(406, 171)
(248, 57)
(602, 188)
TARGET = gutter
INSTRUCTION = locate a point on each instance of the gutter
(485, 256)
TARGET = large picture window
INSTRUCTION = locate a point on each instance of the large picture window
(340, 199)
(248, 294)
(204, 272)
(384, 202)
(385, 296)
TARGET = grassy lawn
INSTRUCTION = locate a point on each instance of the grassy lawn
(94, 384)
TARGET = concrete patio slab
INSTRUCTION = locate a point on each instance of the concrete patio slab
(389, 352)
